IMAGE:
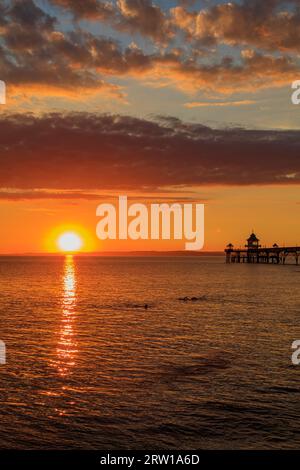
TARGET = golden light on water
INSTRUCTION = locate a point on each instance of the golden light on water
(66, 348)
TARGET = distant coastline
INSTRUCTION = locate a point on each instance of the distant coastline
(128, 254)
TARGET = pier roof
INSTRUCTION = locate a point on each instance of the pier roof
(252, 238)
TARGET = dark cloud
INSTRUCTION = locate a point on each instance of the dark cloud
(113, 152)
(89, 9)
(13, 195)
(271, 24)
(26, 13)
(254, 71)
(36, 54)
(144, 17)
(31, 195)
(131, 16)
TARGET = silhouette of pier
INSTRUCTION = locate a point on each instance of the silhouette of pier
(255, 253)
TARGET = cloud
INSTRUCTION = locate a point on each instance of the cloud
(271, 25)
(204, 104)
(17, 194)
(35, 55)
(130, 16)
(38, 56)
(112, 152)
(253, 72)
(144, 17)
(89, 9)
(268, 25)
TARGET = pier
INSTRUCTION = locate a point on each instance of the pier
(253, 252)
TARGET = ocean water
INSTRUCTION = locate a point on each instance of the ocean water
(90, 367)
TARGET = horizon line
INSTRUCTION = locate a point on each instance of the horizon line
(119, 253)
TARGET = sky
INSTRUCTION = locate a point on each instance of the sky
(158, 100)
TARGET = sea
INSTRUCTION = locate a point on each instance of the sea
(145, 353)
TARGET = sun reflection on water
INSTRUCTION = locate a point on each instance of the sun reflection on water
(67, 347)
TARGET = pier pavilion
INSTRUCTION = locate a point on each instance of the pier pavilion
(253, 252)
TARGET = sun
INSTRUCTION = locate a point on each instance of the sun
(69, 238)
(69, 242)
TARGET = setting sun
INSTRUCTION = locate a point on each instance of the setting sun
(69, 242)
(69, 238)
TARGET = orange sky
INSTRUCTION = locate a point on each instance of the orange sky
(230, 214)
(159, 100)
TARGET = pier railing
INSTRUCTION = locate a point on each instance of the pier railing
(274, 255)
